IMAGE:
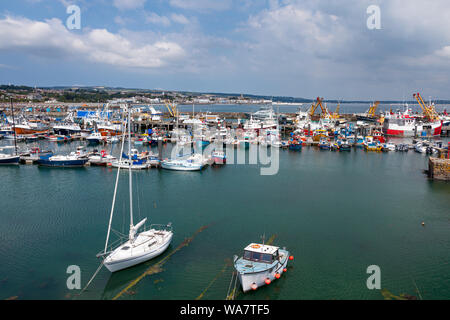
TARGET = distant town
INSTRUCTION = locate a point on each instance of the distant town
(54, 95)
(114, 96)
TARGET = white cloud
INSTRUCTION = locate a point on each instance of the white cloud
(128, 4)
(202, 5)
(157, 19)
(50, 38)
(444, 52)
(179, 18)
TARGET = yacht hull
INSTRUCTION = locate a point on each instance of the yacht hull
(124, 264)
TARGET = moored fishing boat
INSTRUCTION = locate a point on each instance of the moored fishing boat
(260, 265)
(34, 154)
(191, 163)
(8, 158)
(344, 145)
(372, 145)
(295, 145)
(219, 157)
(324, 144)
(95, 138)
(63, 161)
(101, 158)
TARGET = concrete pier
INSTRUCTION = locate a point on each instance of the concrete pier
(439, 169)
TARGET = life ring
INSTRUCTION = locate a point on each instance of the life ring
(256, 246)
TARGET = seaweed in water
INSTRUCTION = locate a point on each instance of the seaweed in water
(390, 296)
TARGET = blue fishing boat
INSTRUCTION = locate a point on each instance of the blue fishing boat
(324, 144)
(295, 145)
(344, 145)
(68, 161)
(260, 265)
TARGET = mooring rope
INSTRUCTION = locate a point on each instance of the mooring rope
(92, 278)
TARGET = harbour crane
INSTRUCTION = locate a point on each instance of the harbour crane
(428, 111)
(314, 107)
(336, 115)
(373, 109)
(172, 108)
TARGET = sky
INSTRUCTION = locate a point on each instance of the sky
(299, 48)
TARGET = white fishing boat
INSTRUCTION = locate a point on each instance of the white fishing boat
(139, 246)
(95, 138)
(101, 159)
(192, 163)
(260, 265)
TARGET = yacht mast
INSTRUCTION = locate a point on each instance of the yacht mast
(131, 236)
(115, 189)
(14, 126)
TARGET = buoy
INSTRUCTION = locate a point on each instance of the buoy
(277, 275)
(423, 223)
(254, 286)
(285, 269)
(267, 281)
(291, 258)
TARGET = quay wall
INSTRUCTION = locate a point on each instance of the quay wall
(439, 169)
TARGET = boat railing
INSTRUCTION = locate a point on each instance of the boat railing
(161, 227)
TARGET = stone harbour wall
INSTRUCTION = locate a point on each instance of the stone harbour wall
(439, 169)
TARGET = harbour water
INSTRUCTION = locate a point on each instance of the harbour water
(336, 212)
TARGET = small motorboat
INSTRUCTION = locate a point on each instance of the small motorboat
(372, 145)
(219, 157)
(34, 154)
(191, 163)
(324, 144)
(101, 158)
(260, 265)
(8, 159)
(344, 145)
(295, 145)
(58, 138)
(421, 147)
(95, 138)
(402, 147)
(32, 138)
(388, 147)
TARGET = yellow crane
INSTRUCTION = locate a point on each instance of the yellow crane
(172, 108)
(428, 111)
(336, 115)
(318, 103)
(373, 109)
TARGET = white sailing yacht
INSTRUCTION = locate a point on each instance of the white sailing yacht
(140, 246)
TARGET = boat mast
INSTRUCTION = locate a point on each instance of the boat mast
(130, 175)
(14, 126)
(115, 189)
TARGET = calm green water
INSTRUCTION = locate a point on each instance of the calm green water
(337, 213)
